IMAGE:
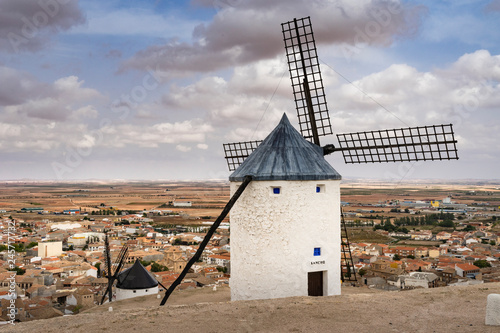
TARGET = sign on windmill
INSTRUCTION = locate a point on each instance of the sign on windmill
(285, 228)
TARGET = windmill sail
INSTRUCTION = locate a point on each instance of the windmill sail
(307, 83)
(112, 274)
(425, 143)
(237, 152)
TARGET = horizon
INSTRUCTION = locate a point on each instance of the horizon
(414, 181)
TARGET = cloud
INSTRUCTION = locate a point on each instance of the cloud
(179, 133)
(21, 86)
(25, 97)
(183, 148)
(39, 137)
(250, 31)
(27, 25)
(493, 6)
(465, 93)
(135, 21)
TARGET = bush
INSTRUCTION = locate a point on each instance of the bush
(482, 263)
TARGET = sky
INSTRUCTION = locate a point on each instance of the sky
(151, 89)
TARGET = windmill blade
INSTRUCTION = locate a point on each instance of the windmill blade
(307, 83)
(120, 261)
(235, 153)
(425, 143)
(107, 255)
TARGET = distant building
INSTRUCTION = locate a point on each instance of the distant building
(49, 249)
(467, 270)
(71, 211)
(31, 209)
(182, 203)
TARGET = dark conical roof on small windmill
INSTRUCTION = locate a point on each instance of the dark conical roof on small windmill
(136, 277)
(285, 155)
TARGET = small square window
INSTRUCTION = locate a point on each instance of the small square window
(317, 251)
(320, 188)
(276, 190)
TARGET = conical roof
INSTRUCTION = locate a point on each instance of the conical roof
(136, 277)
(285, 155)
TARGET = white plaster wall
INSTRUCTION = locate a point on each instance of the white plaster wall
(49, 249)
(129, 293)
(273, 237)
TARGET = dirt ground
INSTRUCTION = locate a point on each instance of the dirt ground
(358, 309)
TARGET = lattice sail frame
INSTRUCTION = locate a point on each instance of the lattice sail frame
(425, 143)
(237, 152)
(303, 64)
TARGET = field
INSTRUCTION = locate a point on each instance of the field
(208, 198)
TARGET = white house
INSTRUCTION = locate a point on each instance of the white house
(285, 227)
(49, 249)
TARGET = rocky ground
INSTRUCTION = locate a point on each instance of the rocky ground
(358, 309)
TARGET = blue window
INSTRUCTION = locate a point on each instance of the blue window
(276, 190)
(318, 189)
(317, 251)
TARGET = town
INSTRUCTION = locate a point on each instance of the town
(52, 256)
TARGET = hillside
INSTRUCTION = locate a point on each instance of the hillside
(448, 309)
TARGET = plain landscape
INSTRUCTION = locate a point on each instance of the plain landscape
(359, 308)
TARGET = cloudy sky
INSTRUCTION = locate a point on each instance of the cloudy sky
(150, 89)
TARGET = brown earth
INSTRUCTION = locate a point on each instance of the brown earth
(358, 309)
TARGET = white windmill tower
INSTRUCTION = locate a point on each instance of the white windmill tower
(285, 227)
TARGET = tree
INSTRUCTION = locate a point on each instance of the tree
(447, 224)
(32, 244)
(98, 266)
(411, 256)
(19, 247)
(482, 263)
(469, 228)
(396, 257)
(18, 270)
(362, 272)
(156, 267)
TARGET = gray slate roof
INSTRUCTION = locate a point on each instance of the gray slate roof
(285, 155)
(136, 277)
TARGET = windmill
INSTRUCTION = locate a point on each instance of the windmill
(423, 143)
(308, 165)
(112, 270)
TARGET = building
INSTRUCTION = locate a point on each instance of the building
(71, 211)
(467, 270)
(49, 249)
(182, 203)
(134, 282)
(285, 227)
